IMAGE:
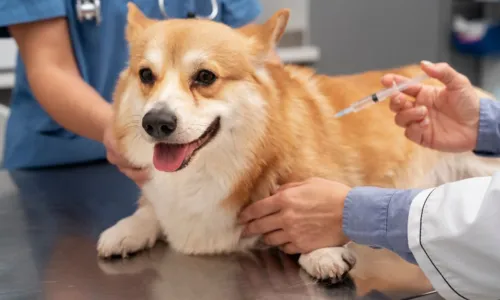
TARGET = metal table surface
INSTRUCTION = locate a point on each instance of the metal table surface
(50, 220)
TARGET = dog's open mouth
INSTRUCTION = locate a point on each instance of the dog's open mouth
(174, 157)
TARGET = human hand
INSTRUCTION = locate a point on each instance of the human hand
(138, 175)
(299, 217)
(441, 118)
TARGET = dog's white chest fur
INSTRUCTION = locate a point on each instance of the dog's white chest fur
(188, 208)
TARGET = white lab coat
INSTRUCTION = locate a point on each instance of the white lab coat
(454, 234)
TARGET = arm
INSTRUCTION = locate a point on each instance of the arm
(450, 231)
(378, 217)
(55, 80)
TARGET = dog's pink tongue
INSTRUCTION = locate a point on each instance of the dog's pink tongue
(169, 158)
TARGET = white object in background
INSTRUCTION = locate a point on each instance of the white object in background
(4, 115)
(470, 30)
(299, 55)
(298, 22)
(8, 54)
(7, 79)
(490, 75)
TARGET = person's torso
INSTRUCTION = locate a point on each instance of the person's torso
(33, 138)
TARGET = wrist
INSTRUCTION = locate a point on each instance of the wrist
(104, 121)
(343, 238)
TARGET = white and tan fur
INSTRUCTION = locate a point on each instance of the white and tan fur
(260, 144)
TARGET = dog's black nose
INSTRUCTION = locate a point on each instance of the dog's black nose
(159, 123)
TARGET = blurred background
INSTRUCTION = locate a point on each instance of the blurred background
(347, 36)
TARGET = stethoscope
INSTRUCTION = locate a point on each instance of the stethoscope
(91, 9)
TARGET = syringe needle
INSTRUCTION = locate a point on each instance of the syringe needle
(343, 112)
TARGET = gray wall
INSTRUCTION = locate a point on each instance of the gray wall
(358, 35)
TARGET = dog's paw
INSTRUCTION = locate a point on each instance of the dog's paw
(129, 235)
(328, 263)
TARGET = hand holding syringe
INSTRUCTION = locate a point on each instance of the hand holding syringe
(380, 96)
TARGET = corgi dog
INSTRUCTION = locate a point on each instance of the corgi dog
(219, 126)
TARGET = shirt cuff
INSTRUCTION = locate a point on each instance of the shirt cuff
(488, 139)
(378, 217)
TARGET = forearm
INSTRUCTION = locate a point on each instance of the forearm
(70, 101)
(378, 217)
(53, 75)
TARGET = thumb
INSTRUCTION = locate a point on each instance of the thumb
(287, 186)
(446, 74)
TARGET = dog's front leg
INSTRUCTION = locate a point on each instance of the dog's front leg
(131, 234)
(328, 263)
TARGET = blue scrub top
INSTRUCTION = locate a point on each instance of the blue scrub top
(33, 139)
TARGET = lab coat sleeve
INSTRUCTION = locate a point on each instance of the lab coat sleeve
(23, 11)
(488, 140)
(454, 235)
(237, 13)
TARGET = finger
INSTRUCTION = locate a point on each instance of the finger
(263, 225)
(116, 158)
(276, 238)
(408, 105)
(290, 248)
(119, 161)
(111, 157)
(388, 81)
(288, 185)
(407, 116)
(446, 74)
(138, 176)
(415, 132)
(260, 209)
(400, 102)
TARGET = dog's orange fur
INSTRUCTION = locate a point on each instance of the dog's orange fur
(300, 136)
(304, 139)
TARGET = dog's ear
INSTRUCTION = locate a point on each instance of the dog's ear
(136, 21)
(267, 36)
(273, 29)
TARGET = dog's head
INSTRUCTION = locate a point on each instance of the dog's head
(192, 88)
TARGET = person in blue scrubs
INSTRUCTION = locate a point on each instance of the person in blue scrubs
(66, 73)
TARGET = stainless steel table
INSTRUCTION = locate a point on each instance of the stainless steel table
(50, 220)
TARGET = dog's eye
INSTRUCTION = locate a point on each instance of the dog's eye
(147, 76)
(205, 77)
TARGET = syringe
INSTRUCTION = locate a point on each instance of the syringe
(380, 96)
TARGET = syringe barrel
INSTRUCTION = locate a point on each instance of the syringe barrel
(363, 103)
